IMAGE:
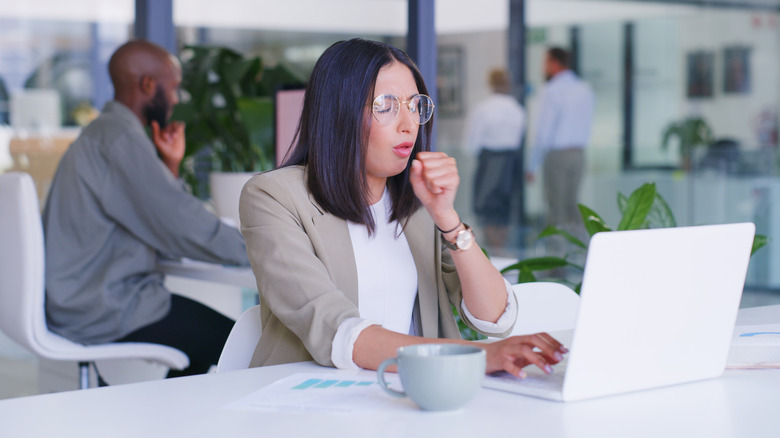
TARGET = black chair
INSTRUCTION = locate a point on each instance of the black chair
(722, 155)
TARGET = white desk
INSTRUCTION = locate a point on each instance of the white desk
(242, 276)
(227, 289)
(229, 275)
(739, 404)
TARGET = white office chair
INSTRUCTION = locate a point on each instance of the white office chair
(545, 307)
(22, 314)
(240, 344)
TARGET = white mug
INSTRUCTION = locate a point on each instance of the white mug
(438, 377)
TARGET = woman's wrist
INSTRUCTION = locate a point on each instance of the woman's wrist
(455, 228)
(448, 223)
(451, 235)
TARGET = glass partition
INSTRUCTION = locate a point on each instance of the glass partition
(56, 56)
(659, 70)
(53, 77)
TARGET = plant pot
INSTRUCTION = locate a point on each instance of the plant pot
(226, 191)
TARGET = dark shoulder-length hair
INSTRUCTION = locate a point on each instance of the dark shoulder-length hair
(332, 137)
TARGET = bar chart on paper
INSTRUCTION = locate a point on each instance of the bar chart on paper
(322, 393)
(320, 384)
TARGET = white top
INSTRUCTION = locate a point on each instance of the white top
(387, 286)
(495, 123)
(387, 276)
(565, 116)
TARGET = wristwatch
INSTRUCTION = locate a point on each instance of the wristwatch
(463, 240)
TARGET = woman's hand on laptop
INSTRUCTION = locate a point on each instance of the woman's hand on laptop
(515, 353)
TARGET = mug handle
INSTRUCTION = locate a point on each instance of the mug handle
(381, 376)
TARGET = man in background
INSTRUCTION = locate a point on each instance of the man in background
(115, 205)
(562, 133)
(494, 131)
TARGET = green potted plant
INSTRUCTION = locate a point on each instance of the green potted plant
(645, 208)
(228, 107)
(691, 132)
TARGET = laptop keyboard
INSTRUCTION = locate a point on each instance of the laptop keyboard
(552, 381)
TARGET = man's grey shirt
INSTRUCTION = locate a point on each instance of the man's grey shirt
(113, 207)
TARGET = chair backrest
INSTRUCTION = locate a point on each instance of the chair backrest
(545, 307)
(22, 315)
(240, 344)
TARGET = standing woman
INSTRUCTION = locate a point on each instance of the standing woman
(348, 265)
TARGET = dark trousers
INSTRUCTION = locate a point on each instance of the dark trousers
(563, 171)
(197, 330)
(493, 185)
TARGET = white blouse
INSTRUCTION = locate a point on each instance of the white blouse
(387, 285)
(387, 276)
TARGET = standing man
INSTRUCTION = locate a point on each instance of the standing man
(115, 205)
(562, 133)
(494, 131)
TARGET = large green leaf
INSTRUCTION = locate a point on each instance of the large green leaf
(537, 264)
(637, 208)
(525, 276)
(241, 74)
(592, 221)
(552, 230)
(622, 201)
(758, 241)
(661, 215)
(257, 116)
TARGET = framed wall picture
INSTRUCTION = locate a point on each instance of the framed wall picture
(450, 81)
(700, 72)
(736, 70)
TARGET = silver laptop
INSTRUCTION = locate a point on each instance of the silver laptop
(657, 308)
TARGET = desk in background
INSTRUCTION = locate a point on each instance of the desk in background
(739, 404)
(227, 289)
(40, 155)
(238, 276)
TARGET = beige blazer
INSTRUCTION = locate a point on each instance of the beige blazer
(305, 268)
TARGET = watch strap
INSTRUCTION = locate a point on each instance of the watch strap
(452, 246)
(449, 231)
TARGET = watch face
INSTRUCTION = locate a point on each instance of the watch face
(465, 239)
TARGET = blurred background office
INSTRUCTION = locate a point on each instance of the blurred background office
(687, 92)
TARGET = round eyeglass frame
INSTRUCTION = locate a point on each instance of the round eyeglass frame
(410, 104)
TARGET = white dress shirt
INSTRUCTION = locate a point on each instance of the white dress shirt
(387, 286)
(495, 123)
(565, 116)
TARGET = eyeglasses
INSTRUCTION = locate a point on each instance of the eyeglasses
(386, 108)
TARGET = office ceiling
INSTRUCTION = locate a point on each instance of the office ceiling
(388, 17)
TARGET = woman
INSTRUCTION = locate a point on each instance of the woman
(349, 267)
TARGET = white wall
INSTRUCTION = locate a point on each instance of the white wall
(482, 51)
(662, 47)
(733, 115)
